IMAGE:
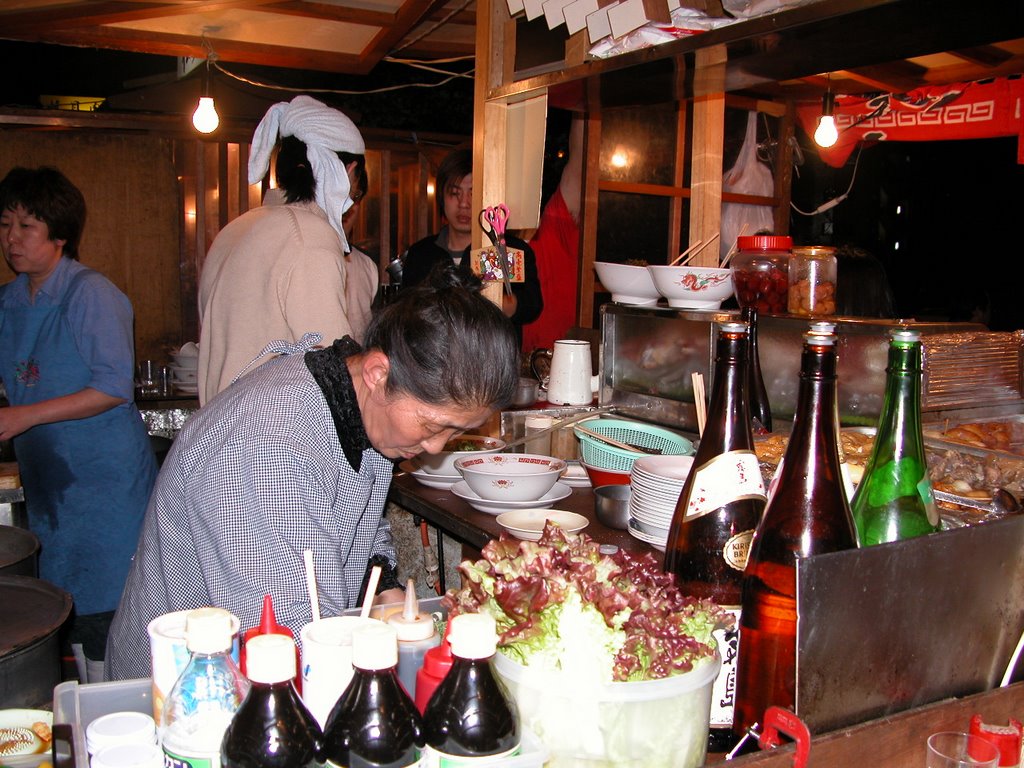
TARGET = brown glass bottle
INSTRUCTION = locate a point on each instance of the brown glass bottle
(718, 509)
(807, 514)
(760, 408)
(374, 724)
(272, 728)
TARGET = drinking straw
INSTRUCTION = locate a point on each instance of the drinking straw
(371, 590)
(314, 599)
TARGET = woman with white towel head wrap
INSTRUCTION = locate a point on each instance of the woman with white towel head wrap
(278, 271)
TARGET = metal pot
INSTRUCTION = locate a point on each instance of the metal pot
(19, 552)
(34, 612)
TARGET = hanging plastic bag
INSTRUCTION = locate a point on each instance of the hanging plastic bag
(748, 176)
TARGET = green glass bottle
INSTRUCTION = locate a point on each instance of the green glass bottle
(894, 499)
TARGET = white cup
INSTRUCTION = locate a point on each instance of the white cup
(327, 662)
(539, 445)
(170, 654)
(570, 381)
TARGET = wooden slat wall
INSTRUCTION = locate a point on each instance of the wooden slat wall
(132, 228)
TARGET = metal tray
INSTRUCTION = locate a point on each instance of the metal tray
(933, 436)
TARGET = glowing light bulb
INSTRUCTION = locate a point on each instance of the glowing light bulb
(205, 118)
(826, 134)
(620, 159)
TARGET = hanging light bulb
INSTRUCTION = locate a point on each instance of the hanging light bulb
(205, 118)
(826, 133)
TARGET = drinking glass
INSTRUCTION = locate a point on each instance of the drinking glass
(949, 749)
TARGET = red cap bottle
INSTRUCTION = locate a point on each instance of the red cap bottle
(436, 663)
(268, 626)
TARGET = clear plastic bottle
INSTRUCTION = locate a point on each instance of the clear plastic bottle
(894, 499)
(206, 696)
(374, 723)
(471, 719)
(272, 728)
(807, 514)
(416, 635)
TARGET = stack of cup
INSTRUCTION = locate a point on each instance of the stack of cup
(123, 740)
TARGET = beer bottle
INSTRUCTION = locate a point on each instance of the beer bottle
(760, 408)
(470, 716)
(894, 499)
(374, 723)
(272, 728)
(718, 509)
(807, 514)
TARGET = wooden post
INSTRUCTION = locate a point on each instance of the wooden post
(706, 155)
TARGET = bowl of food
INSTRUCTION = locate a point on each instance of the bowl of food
(693, 287)
(510, 476)
(628, 283)
(528, 524)
(443, 463)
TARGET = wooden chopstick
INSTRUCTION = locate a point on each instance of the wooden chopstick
(698, 401)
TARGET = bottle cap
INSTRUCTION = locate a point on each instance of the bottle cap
(119, 728)
(733, 328)
(905, 334)
(410, 625)
(764, 243)
(822, 329)
(374, 646)
(208, 630)
(473, 636)
(271, 659)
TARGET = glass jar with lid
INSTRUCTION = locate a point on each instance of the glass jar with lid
(760, 272)
(812, 281)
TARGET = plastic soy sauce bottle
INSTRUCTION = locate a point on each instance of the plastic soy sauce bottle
(206, 696)
(416, 635)
(470, 719)
(272, 728)
(374, 723)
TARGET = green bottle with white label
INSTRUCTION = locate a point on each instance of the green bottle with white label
(894, 499)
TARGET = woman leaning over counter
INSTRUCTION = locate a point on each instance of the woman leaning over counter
(298, 455)
(66, 358)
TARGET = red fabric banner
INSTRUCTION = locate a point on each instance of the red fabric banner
(977, 110)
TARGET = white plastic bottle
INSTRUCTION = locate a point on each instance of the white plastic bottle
(416, 635)
(210, 689)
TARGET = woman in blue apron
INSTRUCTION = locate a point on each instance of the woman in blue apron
(66, 359)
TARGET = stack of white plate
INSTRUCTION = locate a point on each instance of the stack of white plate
(185, 368)
(656, 482)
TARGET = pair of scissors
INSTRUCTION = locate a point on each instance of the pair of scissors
(492, 221)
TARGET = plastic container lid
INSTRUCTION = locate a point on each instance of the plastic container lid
(410, 625)
(119, 728)
(764, 243)
(374, 646)
(270, 659)
(208, 630)
(129, 756)
(473, 636)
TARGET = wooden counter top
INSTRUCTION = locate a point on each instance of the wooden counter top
(457, 519)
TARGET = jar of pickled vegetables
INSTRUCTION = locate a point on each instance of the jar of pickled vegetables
(812, 281)
(760, 272)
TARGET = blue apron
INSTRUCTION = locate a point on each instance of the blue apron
(87, 481)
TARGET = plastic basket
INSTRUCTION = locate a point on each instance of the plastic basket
(604, 456)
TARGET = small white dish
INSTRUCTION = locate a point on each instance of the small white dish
(575, 476)
(461, 489)
(27, 750)
(528, 524)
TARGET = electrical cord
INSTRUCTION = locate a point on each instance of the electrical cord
(830, 204)
(386, 89)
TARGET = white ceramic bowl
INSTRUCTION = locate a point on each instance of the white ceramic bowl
(443, 463)
(627, 283)
(510, 476)
(528, 524)
(693, 287)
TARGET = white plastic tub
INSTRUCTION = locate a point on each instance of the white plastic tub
(650, 724)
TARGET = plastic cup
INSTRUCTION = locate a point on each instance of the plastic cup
(170, 654)
(950, 749)
(327, 662)
(539, 445)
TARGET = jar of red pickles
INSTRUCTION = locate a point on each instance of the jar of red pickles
(760, 272)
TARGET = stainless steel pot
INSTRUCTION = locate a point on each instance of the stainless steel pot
(34, 612)
(19, 552)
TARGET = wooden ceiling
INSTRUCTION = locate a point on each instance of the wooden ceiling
(340, 36)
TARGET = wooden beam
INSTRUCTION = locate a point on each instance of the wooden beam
(706, 158)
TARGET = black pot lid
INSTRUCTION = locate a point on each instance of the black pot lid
(16, 544)
(33, 610)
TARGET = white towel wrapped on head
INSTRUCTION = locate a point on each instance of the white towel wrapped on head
(325, 132)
